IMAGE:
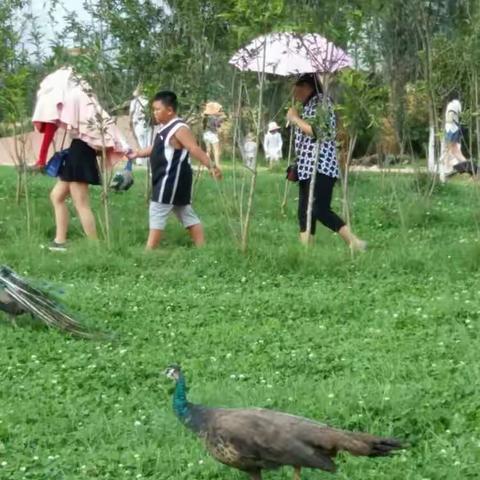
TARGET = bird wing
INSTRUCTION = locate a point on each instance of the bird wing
(269, 438)
(284, 439)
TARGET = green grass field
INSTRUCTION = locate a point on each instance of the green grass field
(385, 342)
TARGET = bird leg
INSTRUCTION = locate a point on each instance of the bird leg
(256, 475)
(296, 473)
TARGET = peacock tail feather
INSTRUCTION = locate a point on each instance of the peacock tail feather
(30, 299)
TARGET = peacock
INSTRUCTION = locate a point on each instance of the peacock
(256, 439)
(123, 179)
(18, 297)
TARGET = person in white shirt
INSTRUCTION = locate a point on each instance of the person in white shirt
(273, 144)
(250, 150)
(139, 122)
(453, 148)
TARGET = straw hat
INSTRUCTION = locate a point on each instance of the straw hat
(75, 51)
(272, 126)
(212, 108)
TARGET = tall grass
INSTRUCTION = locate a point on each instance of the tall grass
(386, 342)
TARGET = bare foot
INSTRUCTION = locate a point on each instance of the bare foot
(358, 245)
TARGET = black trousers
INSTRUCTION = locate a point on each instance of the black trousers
(322, 198)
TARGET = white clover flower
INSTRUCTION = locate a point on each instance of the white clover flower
(137, 423)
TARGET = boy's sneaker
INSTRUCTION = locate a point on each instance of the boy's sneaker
(57, 247)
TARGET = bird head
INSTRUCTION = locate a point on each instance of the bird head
(173, 372)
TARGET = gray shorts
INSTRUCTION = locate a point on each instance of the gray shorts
(159, 213)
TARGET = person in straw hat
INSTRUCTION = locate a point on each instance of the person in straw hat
(213, 118)
(273, 143)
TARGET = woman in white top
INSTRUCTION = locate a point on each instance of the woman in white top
(453, 133)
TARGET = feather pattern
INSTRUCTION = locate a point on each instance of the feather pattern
(18, 297)
(254, 439)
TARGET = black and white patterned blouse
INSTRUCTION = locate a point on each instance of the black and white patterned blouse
(306, 146)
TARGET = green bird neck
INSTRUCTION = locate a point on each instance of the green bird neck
(180, 404)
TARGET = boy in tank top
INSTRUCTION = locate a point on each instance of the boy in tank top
(169, 155)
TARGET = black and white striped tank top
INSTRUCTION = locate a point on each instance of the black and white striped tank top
(171, 168)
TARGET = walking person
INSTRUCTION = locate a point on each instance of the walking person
(452, 154)
(172, 171)
(65, 100)
(273, 143)
(213, 119)
(312, 134)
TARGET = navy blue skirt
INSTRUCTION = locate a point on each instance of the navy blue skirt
(80, 165)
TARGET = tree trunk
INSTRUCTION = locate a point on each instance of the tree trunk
(477, 116)
(235, 138)
(253, 181)
(424, 34)
(431, 146)
(313, 178)
(352, 141)
(287, 182)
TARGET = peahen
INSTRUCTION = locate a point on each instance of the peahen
(18, 297)
(123, 179)
(254, 439)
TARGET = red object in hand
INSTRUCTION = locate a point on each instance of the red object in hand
(48, 130)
